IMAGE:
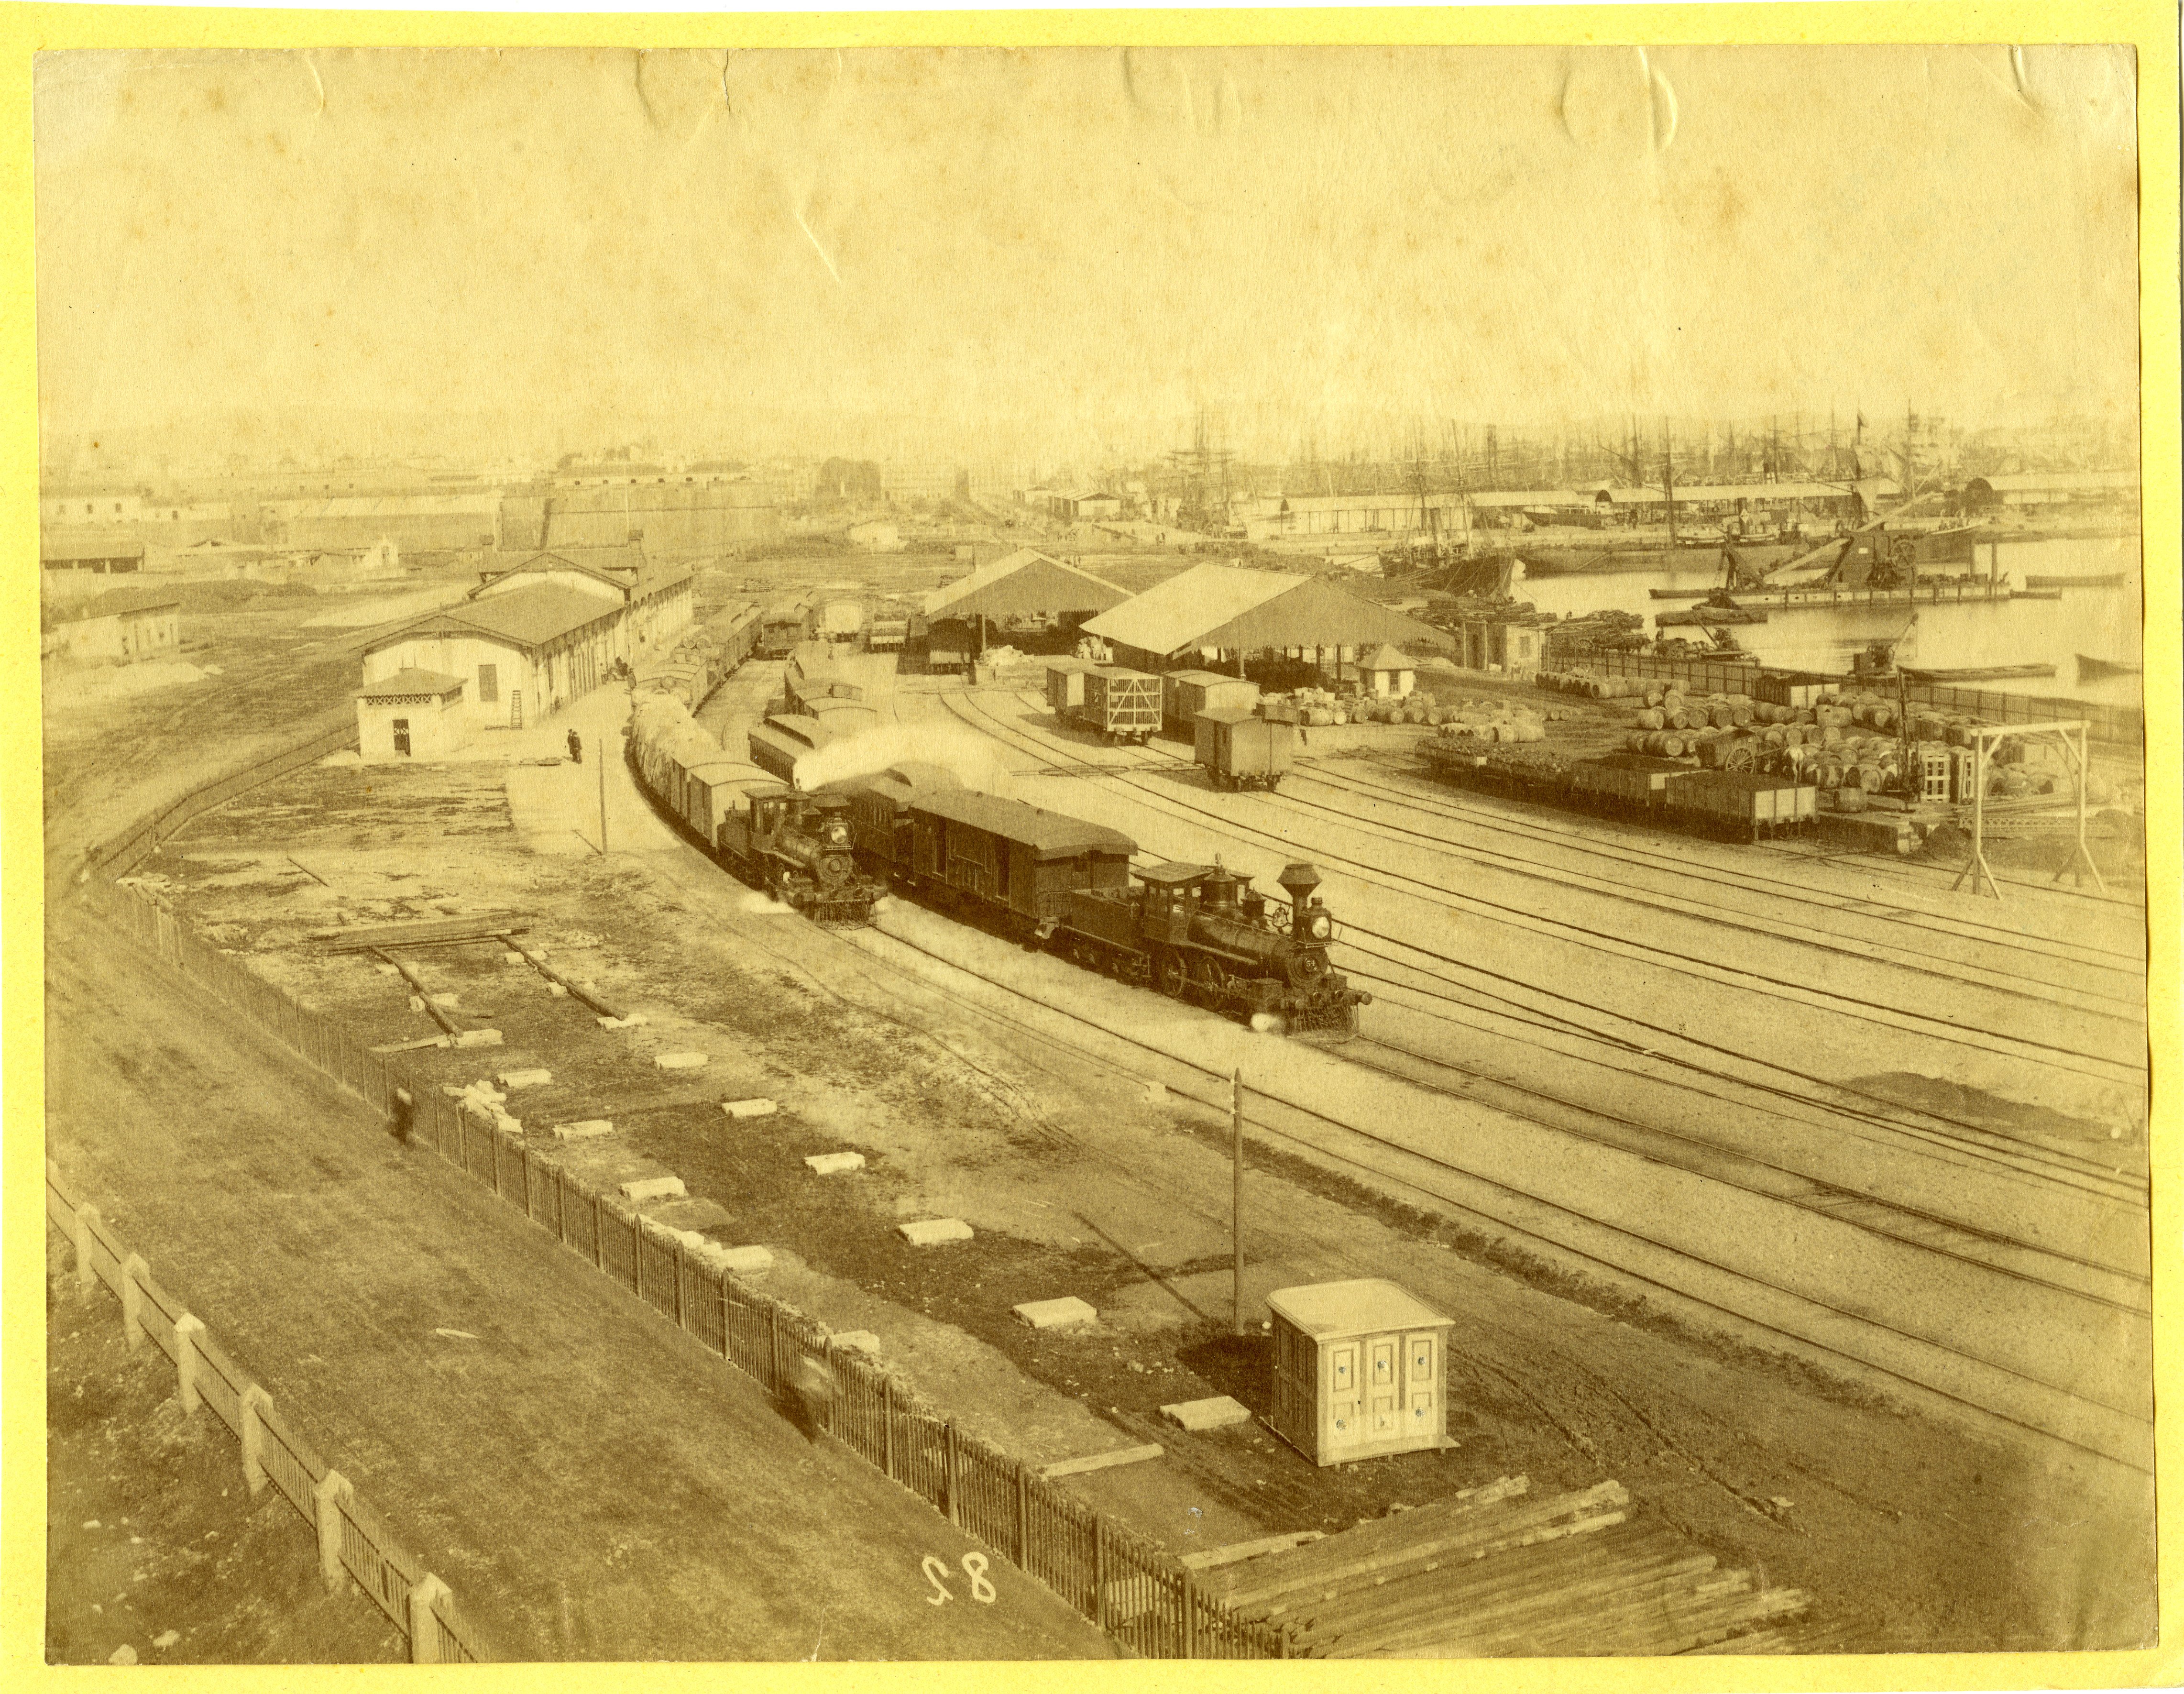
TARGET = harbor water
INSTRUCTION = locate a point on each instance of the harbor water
(2100, 621)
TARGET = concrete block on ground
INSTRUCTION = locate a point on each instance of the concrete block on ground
(743, 1261)
(679, 1061)
(589, 1129)
(832, 1164)
(535, 1077)
(929, 1232)
(1217, 1414)
(1106, 1461)
(655, 1188)
(560, 992)
(511, 958)
(416, 1002)
(629, 1022)
(478, 1037)
(858, 1341)
(750, 1108)
(689, 1213)
(1056, 1314)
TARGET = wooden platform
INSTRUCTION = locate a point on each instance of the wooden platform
(1494, 1573)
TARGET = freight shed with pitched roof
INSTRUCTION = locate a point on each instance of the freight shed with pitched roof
(525, 652)
(1025, 599)
(1222, 615)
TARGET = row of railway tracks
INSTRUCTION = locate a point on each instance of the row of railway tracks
(1987, 1313)
(2064, 1247)
(2029, 1308)
(2119, 1019)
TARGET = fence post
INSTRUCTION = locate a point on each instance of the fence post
(561, 1205)
(887, 1401)
(424, 1628)
(256, 1402)
(134, 1271)
(333, 1493)
(1190, 1615)
(187, 1331)
(674, 1271)
(1099, 1570)
(598, 1250)
(86, 1219)
(1024, 1517)
(954, 1478)
(773, 1345)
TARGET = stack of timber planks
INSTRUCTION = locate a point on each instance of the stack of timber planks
(1494, 1573)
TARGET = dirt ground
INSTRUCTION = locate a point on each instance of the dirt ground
(1911, 1533)
(151, 1533)
(589, 1484)
(1077, 1183)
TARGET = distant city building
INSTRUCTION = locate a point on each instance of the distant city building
(118, 627)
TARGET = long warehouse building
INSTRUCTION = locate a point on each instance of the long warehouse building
(1217, 614)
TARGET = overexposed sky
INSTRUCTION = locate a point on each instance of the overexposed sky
(1047, 250)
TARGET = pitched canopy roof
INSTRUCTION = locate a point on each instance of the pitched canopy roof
(1234, 609)
(530, 617)
(70, 551)
(1024, 581)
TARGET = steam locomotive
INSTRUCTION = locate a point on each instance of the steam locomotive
(794, 846)
(1201, 933)
(1196, 932)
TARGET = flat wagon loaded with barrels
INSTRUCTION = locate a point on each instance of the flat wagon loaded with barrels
(1740, 805)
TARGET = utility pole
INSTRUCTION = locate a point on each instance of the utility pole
(1236, 1138)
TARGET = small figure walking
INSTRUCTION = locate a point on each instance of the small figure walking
(811, 1398)
(576, 748)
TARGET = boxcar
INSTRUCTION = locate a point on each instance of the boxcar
(1014, 863)
(1119, 704)
(1185, 694)
(1240, 749)
(1065, 683)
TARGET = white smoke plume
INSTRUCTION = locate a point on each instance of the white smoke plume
(975, 761)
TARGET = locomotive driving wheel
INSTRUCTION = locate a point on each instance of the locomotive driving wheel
(1903, 551)
(1169, 973)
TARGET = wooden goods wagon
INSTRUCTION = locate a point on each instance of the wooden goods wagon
(1359, 1371)
(1122, 705)
(1240, 749)
(1625, 781)
(1185, 694)
(1742, 804)
(1065, 683)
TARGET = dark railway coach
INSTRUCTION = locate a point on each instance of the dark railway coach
(1014, 862)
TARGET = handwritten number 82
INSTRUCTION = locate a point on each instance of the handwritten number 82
(975, 1566)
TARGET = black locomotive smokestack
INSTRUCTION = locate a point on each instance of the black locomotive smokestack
(1298, 881)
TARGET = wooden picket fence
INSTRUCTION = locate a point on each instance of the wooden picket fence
(353, 1544)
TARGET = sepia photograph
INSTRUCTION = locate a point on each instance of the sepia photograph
(1020, 853)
